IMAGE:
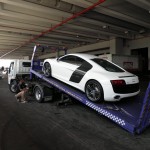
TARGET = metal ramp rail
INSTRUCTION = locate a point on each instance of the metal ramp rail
(132, 115)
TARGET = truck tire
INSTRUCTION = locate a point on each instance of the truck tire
(13, 87)
(38, 93)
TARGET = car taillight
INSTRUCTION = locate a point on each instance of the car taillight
(118, 82)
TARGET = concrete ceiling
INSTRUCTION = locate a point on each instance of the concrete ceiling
(23, 20)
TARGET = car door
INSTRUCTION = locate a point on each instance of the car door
(64, 67)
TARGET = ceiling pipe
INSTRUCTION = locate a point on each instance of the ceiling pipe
(65, 21)
(56, 26)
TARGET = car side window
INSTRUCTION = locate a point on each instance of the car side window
(79, 61)
(107, 65)
(26, 64)
(72, 60)
(68, 59)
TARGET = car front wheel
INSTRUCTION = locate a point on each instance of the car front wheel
(47, 69)
(94, 91)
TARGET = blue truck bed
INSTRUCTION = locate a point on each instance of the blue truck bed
(132, 115)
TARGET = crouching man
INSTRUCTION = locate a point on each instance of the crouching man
(22, 95)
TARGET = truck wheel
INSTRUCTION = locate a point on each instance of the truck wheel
(38, 93)
(13, 87)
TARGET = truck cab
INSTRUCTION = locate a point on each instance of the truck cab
(18, 69)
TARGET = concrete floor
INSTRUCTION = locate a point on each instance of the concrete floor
(45, 126)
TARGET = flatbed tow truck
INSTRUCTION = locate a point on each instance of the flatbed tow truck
(132, 115)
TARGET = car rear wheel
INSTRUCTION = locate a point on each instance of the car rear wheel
(94, 91)
(47, 69)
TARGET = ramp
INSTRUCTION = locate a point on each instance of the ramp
(132, 115)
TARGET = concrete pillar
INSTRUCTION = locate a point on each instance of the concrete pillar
(116, 46)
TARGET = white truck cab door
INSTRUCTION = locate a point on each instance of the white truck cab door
(11, 72)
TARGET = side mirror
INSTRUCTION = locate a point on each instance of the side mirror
(57, 59)
(9, 70)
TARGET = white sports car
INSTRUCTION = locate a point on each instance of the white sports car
(98, 78)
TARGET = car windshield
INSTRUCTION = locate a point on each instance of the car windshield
(107, 65)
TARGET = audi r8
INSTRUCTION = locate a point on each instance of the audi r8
(100, 79)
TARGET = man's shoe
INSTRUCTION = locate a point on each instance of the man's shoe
(23, 101)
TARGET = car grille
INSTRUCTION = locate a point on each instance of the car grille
(124, 89)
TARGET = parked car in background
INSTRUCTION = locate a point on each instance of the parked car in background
(100, 79)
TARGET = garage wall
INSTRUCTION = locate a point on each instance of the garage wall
(97, 48)
(136, 44)
(113, 46)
